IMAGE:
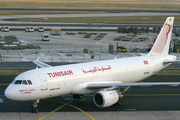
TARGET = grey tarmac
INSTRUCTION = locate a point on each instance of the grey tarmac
(155, 102)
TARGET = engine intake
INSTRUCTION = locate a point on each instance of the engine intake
(105, 98)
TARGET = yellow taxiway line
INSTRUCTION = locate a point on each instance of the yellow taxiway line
(82, 111)
(54, 110)
(92, 95)
(65, 105)
(4, 83)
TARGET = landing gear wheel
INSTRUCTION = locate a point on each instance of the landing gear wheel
(78, 96)
(75, 96)
(120, 101)
(34, 109)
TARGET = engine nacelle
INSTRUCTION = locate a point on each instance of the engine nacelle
(105, 98)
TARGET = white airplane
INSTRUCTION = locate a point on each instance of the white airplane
(108, 79)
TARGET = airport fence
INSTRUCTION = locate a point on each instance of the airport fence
(61, 57)
(67, 57)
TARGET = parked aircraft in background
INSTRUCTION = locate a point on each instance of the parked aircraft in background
(108, 79)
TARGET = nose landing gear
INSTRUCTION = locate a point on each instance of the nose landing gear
(35, 106)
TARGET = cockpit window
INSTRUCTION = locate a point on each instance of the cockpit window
(24, 82)
(18, 82)
(13, 81)
(30, 83)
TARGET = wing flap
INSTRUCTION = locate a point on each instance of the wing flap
(41, 64)
(100, 86)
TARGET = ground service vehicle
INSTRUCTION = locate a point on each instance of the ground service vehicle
(177, 31)
(121, 49)
(41, 29)
(99, 37)
(29, 29)
(71, 33)
(5, 29)
(45, 37)
(55, 31)
(119, 38)
(176, 45)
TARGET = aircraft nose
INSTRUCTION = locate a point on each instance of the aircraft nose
(9, 93)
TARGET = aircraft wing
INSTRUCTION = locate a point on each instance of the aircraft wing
(118, 85)
(41, 64)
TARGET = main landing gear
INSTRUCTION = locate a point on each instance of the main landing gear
(120, 101)
(35, 106)
(78, 96)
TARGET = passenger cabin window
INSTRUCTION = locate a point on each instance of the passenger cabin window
(24, 82)
(18, 82)
(29, 82)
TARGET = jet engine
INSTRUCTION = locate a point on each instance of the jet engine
(105, 98)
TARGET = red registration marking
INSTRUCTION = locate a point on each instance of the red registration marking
(21, 90)
(27, 91)
(32, 89)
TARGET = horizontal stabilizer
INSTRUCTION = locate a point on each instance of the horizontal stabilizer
(175, 61)
(116, 85)
(41, 64)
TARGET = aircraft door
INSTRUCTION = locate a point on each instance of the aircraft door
(154, 65)
(44, 83)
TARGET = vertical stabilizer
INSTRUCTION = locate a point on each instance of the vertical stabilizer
(161, 45)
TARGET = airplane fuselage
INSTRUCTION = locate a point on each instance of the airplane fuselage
(73, 79)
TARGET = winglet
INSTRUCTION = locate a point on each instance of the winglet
(161, 46)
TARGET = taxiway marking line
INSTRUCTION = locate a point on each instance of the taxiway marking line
(4, 83)
(54, 110)
(3, 97)
(75, 108)
(82, 111)
(138, 95)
